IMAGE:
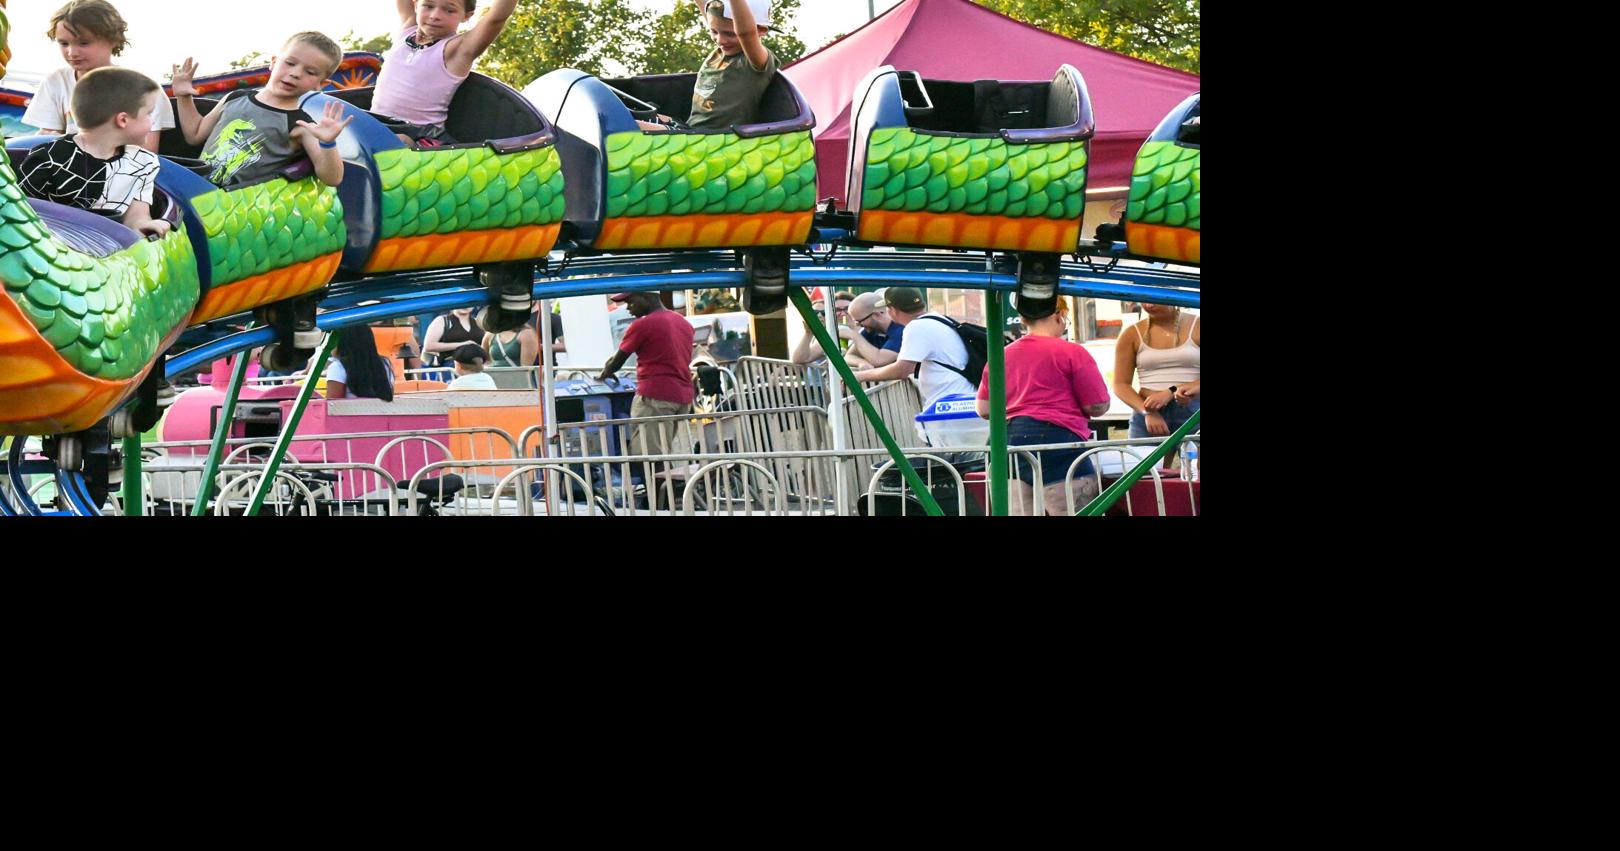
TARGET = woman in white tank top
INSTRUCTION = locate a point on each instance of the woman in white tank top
(1163, 352)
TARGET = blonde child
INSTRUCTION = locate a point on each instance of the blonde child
(252, 135)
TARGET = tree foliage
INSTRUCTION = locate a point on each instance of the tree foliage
(611, 37)
(544, 35)
(375, 44)
(1162, 31)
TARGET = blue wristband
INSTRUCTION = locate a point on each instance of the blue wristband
(325, 144)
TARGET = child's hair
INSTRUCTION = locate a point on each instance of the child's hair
(103, 93)
(94, 17)
(323, 44)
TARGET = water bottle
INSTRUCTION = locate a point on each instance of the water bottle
(1190, 462)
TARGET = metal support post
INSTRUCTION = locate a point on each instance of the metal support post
(835, 413)
(836, 360)
(132, 476)
(1107, 498)
(995, 318)
(291, 425)
(222, 432)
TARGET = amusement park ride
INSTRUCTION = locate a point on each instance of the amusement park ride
(564, 195)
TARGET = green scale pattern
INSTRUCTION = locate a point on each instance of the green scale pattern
(269, 226)
(104, 315)
(916, 172)
(428, 192)
(678, 174)
(1166, 186)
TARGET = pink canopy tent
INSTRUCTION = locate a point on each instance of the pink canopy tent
(960, 40)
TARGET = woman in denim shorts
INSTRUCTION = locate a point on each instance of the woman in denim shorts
(1053, 390)
(1164, 352)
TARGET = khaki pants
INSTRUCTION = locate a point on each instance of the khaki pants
(662, 438)
(658, 438)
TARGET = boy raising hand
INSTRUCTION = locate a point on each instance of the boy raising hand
(430, 59)
(733, 78)
(252, 135)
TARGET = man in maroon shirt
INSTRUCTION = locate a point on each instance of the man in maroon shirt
(661, 340)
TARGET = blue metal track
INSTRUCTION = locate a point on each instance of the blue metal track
(407, 295)
(19, 487)
(73, 487)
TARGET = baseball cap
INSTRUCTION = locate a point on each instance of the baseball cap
(907, 299)
(760, 8)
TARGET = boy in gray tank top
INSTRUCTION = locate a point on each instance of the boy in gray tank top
(251, 136)
(734, 76)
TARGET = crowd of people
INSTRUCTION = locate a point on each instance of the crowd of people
(112, 118)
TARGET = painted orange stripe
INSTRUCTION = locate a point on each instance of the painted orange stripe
(708, 231)
(1164, 241)
(40, 392)
(275, 285)
(463, 248)
(963, 230)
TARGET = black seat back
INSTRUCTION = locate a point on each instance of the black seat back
(172, 143)
(485, 109)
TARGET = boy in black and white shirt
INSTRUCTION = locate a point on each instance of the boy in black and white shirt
(102, 168)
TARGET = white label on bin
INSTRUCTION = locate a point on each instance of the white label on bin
(956, 407)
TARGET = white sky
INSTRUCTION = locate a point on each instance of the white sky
(163, 32)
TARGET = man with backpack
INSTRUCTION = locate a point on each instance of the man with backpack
(936, 350)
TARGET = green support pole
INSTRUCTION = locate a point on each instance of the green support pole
(836, 359)
(132, 474)
(222, 431)
(1107, 498)
(291, 425)
(998, 404)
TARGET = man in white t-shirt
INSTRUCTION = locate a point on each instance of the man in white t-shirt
(925, 351)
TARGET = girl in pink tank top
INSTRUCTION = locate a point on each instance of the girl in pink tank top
(430, 60)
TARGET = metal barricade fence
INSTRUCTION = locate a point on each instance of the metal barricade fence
(1130, 452)
(807, 484)
(328, 489)
(400, 453)
(765, 383)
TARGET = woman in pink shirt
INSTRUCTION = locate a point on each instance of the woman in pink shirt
(1053, 390)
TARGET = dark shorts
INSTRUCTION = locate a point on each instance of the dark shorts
(1028, 431)
(418, 132)
(1174, 415)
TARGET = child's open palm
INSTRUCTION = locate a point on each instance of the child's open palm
(180, 78)
(331, 124)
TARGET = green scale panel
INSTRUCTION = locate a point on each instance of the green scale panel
(678, 174)
(104, 315)
(466, 189)
(1166, 186)
(268, 226)
(914, 172)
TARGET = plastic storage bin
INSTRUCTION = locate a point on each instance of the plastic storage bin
(953, 421)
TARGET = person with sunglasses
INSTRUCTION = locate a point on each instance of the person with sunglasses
(879, 341)
(808, 350)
